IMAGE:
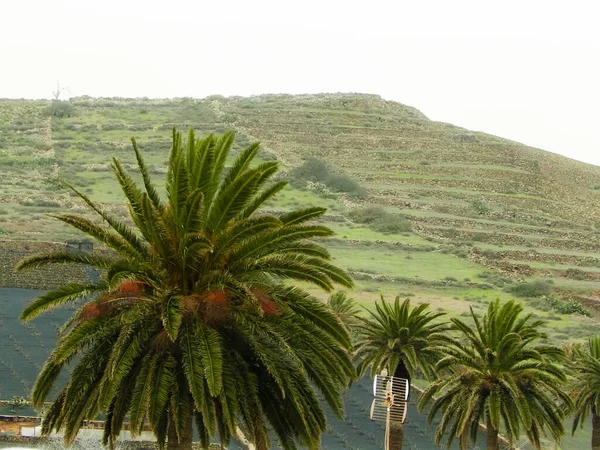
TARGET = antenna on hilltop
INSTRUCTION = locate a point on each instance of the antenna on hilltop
(59, 90)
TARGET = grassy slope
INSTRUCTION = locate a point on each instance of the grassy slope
(500, 203)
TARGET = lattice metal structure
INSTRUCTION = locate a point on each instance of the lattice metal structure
(391, 401)
(397, 386)
(381, 408)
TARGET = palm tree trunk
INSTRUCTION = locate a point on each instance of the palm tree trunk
(492, 437)
(396, 430)
(185, 443)
(396, 436)
(595, 429)
(401, 371)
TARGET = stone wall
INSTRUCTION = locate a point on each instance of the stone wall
(126, 445)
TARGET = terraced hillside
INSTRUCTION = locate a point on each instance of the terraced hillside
(453, 183)
(467, 217)
(475, 202)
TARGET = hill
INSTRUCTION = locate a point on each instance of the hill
(516, 210)
(422, 209)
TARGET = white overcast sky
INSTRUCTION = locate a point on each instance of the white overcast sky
(526, 70)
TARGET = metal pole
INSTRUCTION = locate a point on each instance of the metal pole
(387, 430)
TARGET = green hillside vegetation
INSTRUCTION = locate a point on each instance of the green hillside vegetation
(417, 204)
(421, 209)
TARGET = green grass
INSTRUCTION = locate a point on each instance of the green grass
(400, 263)
(290, 198)
(577, 286)
(350, 231)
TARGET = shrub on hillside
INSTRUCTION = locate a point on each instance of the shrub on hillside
(392, 225)
(367, 215)
(531, 289)
(343, 183)
(60, 109)
(312, 169)
(380, 220)
(570, 306)
(480, 207)
(577, 274)
(316, 170)
(479, 237)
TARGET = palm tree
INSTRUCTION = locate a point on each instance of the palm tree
(192, 320)
(399, 339)
(345, 308)
(500, 375)
(586, 371)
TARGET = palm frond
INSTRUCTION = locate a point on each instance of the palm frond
(302, 215)
(222, 148)
(97, 261)
(261, 198)
(241, 163)
(231, 200)
(127, 233)
(212, 358)
(172, 315)
(192, 367)
(163, 380)
(150, 189)
(178, 183)
(69, 293)
(270, 240)
(112, 240)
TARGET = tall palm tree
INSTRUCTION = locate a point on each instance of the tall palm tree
(586, 371)
(192, 320)
(498, 374)
(399, 339)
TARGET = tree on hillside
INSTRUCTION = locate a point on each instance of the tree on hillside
(586, 372)
(399, 339)
(59, 90)
(498, 374)
(192, 321)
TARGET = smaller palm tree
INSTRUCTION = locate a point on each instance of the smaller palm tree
(500, 375)
(401, 340)
(345, 308)
(586, 368)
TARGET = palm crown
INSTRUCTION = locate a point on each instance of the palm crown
(498, 375)
(191, 319)
(397, 336)
(586, 371)
(345, 308)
